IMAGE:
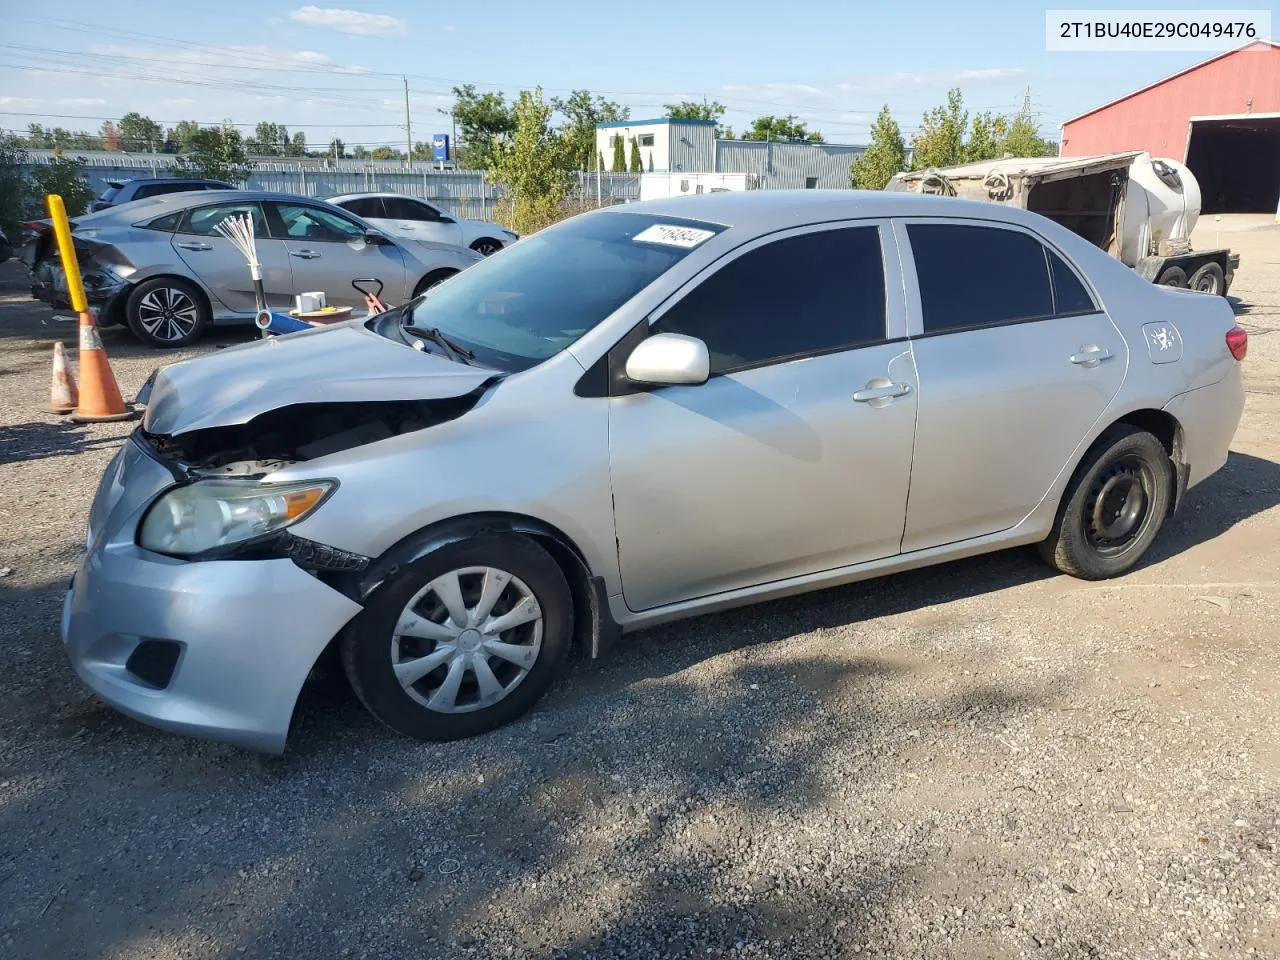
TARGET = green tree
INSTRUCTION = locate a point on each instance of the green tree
(298, 145)
(384, 153)
(600, 157)
(582, 114)
(269, 140)
(637, 165)
(885, 155)
(940, 140)
(693, 110)
(140, 134)
(337, 149)
(619, 155)
(217, 153)
(38, 138)
(485, 122)
(781, 129)
(532, 165)
(986, 138)
(13, 185)
(63, 176)
(182, 138)
(1023, 138)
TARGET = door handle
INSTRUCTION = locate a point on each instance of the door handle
(1091, 355)
(192, 245)
(304, 254)
(883, 389)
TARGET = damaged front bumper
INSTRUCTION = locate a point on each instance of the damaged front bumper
(218, 649)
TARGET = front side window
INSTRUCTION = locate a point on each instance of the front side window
(808, 294)
(976, 276)
(516, 310)
(202, 221)
(403, 208)
(305, 222)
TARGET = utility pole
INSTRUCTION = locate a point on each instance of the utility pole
(1026, 102)
(408, 130)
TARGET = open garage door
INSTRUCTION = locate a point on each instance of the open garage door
(1237, 161)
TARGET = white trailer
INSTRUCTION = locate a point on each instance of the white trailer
(658, 186)
(1140, 209)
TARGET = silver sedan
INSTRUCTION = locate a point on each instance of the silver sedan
(161, 266)
(637, 416)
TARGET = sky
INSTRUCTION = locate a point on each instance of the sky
(336, 67)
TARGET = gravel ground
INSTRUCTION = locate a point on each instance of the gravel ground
(982, 760)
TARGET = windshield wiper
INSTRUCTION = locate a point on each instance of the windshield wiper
(435, 336)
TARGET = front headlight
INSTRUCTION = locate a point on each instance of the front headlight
(209, 514)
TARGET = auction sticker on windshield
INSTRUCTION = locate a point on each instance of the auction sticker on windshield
(671, 236)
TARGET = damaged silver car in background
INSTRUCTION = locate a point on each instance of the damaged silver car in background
(636, 416)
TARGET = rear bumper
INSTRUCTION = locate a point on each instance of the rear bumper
(1209, 416)
(105, 294)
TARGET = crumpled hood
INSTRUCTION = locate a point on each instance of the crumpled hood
(341, 363)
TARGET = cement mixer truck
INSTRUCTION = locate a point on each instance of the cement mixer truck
(1140, 209)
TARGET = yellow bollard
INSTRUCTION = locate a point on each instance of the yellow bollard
(99, 393)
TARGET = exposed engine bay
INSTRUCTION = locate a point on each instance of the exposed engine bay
(299, 432)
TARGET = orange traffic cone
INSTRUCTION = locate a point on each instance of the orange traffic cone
(99, 393)
(63, 395)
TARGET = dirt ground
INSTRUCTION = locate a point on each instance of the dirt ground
(981, 760)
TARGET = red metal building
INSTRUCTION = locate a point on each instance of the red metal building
(1220, 117)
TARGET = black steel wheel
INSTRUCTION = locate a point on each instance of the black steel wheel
(1209, 279)
(1114, 507)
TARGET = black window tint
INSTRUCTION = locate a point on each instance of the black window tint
(167, 224)
(364, 207)
(1069, 294)
(975, 276)
(402, 208)
(807, 294)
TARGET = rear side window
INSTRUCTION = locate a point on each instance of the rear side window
(203, 221)
(814, 293)
(1069, 294)
(166, 224)
(972, 276)
(402, 208)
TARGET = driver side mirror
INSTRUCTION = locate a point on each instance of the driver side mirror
(669, 359)
(374, 238)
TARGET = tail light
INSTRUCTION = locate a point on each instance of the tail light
(1238, 342)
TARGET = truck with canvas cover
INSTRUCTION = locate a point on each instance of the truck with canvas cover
(1140, 209)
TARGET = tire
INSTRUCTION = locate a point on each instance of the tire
(1173, 277)
(1124, 460)
(167, 312)
(428, 708)
(1209, 279)
(431, 279)
(486, 246)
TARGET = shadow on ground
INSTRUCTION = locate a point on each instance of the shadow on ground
(35, 440)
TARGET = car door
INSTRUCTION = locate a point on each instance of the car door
(220, 266)
(794, 457)
(1016, 362)
(417, 219)
(328, 250)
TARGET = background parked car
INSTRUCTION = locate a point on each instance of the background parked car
(125, 191)
(6, 248)
(413, 218)
(161, 267)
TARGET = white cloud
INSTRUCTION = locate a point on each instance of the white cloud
(214, 61)
(890, 82)
(798, 94)
(37, 102)
(348, 21)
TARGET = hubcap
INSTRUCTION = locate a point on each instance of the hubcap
(467, 639)
(1118, 506)
(168, 314)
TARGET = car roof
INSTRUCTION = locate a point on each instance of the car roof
(368, 196)
(761, 210)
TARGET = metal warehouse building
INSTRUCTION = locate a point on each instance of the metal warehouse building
(670, 145)
(1220, 117)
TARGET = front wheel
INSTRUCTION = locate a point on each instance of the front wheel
(486, 246)
(432, 279)
(462, 641)
(1114, 508)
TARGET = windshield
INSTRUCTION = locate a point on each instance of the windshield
(530, 301)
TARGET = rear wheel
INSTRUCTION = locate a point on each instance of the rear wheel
(1173, 277)
(462, 641)
(167, 312)
(1209, 279)
(1114, 507)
